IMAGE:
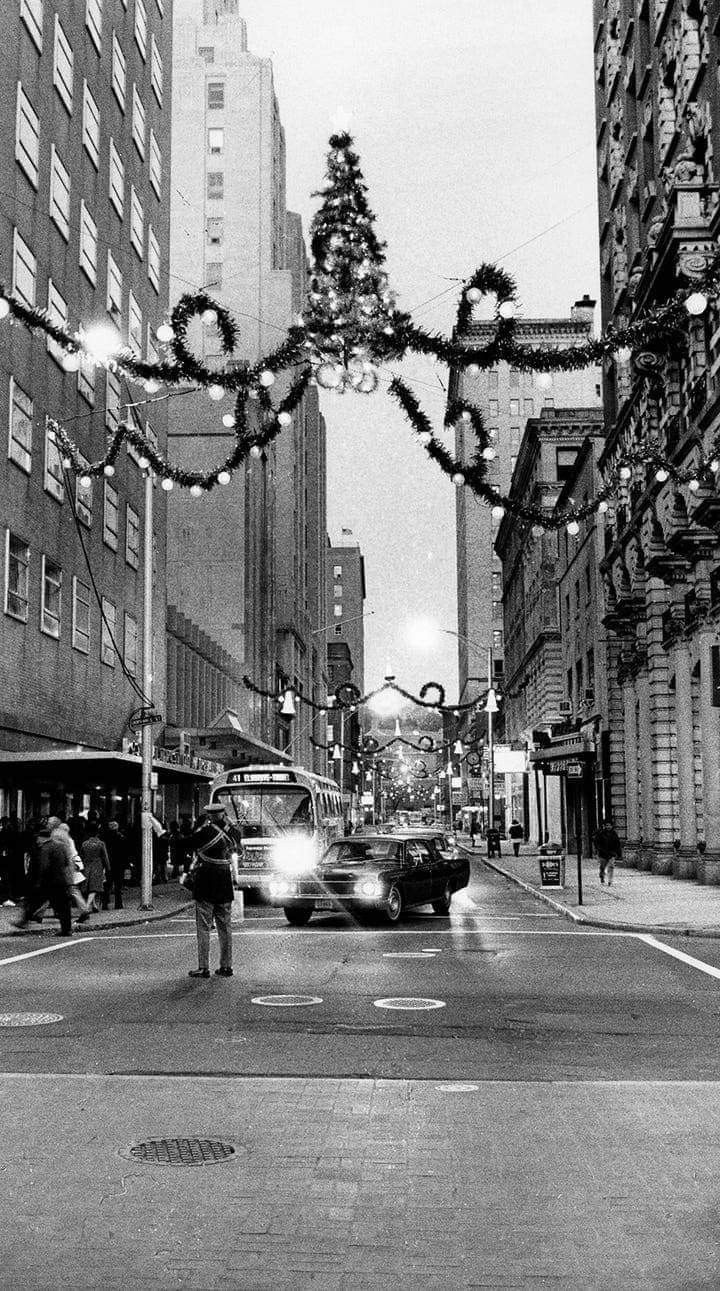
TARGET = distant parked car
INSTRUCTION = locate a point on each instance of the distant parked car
(382, 872)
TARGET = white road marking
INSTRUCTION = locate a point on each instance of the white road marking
(408, 1003)
(409, 954)
(46, 950)
(286, 1001)
(458, 1087)
(454, 931)
(679, 954)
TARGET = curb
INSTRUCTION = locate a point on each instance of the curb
(145, 916)
(589, 921)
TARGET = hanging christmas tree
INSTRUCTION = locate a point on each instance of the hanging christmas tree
(350, 319)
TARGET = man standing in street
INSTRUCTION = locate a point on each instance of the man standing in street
(609, 850)
(213, 874)
(52, 872)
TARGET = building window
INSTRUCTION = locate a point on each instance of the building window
(156, 71)
(135, 326)
(216, 95)
(112, 400)
(17, 577)
(53, 481)
(24, 270)
(588, 585)
(153, 259)
(20, 424)
(141, 26)
(337, 589)
(497, 641)
(50, 598)
(83, 496)
(132, 536)
(81, 617)
(338, 629)
(565, 461)
(493, 408)
(337, 611)
(528, 408)
(514, 407)
(117, 180)
(513, 378)
(493, 380)
(155, 164)
(114, 289)
(216, 136)
(27, 136)
(110, 516)
(213, 274)
(31, 12)
(590, 670)
(206, 53)
(63, 66)
(215, 184)
(548, 401)
(138, 122)
(86, 379)
(88, 244)
(118, 72)
(59, 194)
(93, 22)
(58, 312)
(91, 126)
(130, 651)
(215, 231)
(570, 683)
(337, 571)
(107, 633)
(137, 221)
(567, 610)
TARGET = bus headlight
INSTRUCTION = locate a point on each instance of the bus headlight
(370, 888)
(294, 854)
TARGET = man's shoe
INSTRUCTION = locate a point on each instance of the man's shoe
(84, 916)
(199, 972)
(223, 972)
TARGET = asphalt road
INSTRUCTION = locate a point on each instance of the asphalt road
(502, 1052)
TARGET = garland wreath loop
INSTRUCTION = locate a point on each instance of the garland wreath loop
(351, 319)
(347, 696)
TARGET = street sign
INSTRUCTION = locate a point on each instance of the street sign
(574, 770)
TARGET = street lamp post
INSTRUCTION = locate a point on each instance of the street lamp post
(146, 802)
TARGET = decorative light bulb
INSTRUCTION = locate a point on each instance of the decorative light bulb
(256, 451)
(537, 531)
(625, 473)
(498, 512)
(67, 463)
(329, 376)
(458, 479)
(167, 484)
(71, 360)
(228, 420)
(223, 477)
(624, 354)
(473, 294)
(661, 475)
(544, 380)
(216, 393)
(267, 378)
(109, 470)
(425, 437)
(143, 463)
(715, 465)
(195, 490)
(165, 333)
(473, 369)
(284, 419)
(489, 453)
(696, 303)
(4, 307)
(85, 481)
(507, 309)
(101, 341)
(152, 386)
(694, 485)
(603, 506)
(573, 527)
(209, 317)
(465, 415)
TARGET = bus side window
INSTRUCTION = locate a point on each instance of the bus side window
(338, 808)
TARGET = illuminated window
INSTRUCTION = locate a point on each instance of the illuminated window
(216, 136)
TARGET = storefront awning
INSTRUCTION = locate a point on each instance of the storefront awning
(570, 748)
(81, 766)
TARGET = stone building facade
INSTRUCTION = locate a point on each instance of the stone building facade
(658, 142)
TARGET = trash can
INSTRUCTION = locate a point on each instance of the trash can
(493, 842)
(552, 865)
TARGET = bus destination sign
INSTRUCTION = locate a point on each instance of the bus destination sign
(260, 777)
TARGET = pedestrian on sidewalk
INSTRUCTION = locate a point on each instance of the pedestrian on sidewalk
(212, 877)
(609, 850)
(516, 833)
(116, 846)
(96, 863)
(73, 866)
(472, 826)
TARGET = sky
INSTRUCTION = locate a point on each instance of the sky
(474, 122)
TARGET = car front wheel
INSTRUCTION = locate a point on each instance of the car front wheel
(297, 915)
(393, 904)
(442, 905)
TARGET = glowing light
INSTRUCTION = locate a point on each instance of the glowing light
(165, 333)
(152, 386)
(573, 527)
(267, 378)
(694, 486)
(256, 451)
(474, 295)
(228, 420)
(71, 361)
(109, 470)
(4, 307)
(603, 507)
(661, 475)
(544, 380)
(209, 317)
(85, 481)
(102, 342)
(624, 354)
(294, 854)
(166, 484)
(696, 303)
(216, 393)
(458, 479)
(196, 490)
(498, 512)
(284, 419)
(386, 703)
(625, 473)
(223, 477)
(507, 309)
(287, 708)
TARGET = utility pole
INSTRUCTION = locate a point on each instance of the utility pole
(146, 802)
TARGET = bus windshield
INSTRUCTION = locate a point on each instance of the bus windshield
(266, 811)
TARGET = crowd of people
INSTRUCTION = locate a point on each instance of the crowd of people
(83, 863)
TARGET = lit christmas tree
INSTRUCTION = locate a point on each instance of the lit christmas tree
(350, 319)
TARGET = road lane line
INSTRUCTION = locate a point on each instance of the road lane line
(46, 950)
(306, 933)
(679, 954)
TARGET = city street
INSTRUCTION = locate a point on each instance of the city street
(488, 1099)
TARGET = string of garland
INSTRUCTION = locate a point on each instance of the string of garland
(351, 324)
(347, 696)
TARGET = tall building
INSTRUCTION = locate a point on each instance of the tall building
(84, 165)
(507, 398)
(344, 639)
(658, 140)
(535, 698)
(246, 562)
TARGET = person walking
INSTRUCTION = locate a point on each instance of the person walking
(116, 846)
(211, 879)
(96, 863)
(516, 833)
(63, 839)
(472, 827)
(609, 850)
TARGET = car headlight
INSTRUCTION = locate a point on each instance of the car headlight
(370, 888)
(280, 887)
(294, 854)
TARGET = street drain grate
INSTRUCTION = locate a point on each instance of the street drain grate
(28, 1019)
(182, 1151)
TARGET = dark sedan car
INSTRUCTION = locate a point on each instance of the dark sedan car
(381, 872)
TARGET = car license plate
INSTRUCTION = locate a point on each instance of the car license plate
(324, 904)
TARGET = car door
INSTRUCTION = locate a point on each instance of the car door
(420, 873)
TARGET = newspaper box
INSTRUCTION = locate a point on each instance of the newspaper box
(552, 865)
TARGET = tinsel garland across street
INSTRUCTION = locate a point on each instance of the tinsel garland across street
(347, 696)
(351, 325)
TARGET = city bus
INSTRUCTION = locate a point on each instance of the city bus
(281, 817)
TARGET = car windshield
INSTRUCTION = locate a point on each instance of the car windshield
(359, 851)
(260, 811)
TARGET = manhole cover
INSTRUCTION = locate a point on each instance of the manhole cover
(286, 1001)
(409, 1003)
(28, 1019)
(182, 1151)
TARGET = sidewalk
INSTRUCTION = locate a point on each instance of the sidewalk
(168, 899)
(637, 901)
